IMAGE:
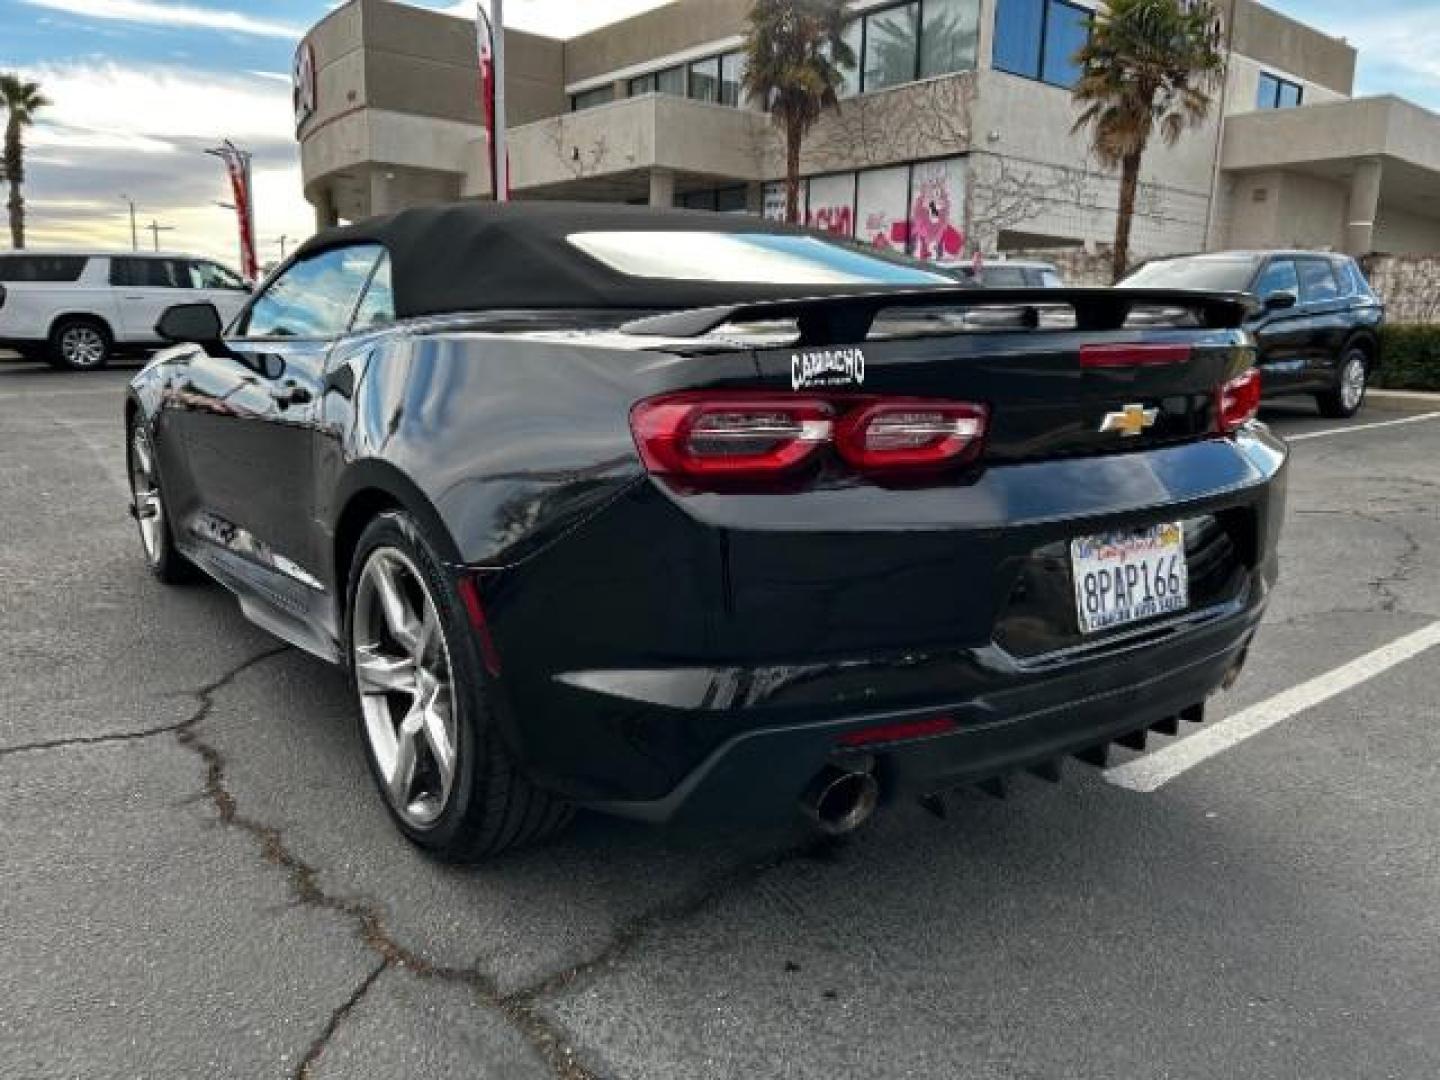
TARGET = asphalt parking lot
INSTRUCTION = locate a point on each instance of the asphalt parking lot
(199, 882)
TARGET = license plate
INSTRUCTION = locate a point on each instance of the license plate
(1124, 577)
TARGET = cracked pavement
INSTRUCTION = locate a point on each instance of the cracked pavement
(199, 880)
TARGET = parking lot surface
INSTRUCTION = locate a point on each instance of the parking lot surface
(199, 880)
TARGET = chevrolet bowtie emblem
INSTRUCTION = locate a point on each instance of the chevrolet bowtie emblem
(1131, 420)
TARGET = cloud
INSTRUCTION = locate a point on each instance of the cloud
(141, 130)
(555, 18)
(154, 13)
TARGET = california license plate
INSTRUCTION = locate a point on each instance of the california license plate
(1124, 577)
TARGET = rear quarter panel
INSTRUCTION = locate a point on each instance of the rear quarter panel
(513, 440)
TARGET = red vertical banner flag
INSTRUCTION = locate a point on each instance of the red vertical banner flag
(485, 43)
(237, 165)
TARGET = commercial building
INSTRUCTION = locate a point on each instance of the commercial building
(954, 133)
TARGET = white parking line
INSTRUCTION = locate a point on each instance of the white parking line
(1152, 771)
(1362, 427)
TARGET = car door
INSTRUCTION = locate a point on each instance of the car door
(1327, 322)
(219, 285)
(1282, 333)
(144, 286)
(246, 412)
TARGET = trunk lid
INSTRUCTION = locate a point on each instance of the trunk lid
(1061, 372)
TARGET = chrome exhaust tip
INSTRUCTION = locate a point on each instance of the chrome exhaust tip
(1232, 675)
(840, 800)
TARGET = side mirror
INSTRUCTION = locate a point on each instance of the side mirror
(195, 323)
(1280, 301)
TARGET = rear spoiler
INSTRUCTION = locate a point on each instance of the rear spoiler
(846, 319)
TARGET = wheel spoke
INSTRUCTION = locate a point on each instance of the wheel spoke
(401, 774)
(437, 734)
(378, 673)
(428, 636)
(142, 457)
(396, 611)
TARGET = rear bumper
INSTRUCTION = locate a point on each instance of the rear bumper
(663, 667)
(1016, 723)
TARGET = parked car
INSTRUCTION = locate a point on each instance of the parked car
(1316, 320)
(595, 513)
(77, 309)
(1009, 274)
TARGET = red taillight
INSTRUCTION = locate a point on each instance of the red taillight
(702, 434)
(747, 434)
(1125, 356)
(899, 732)
(1238, 401)
(902, 434)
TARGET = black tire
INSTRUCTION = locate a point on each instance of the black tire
(491, 806)
(1348, 395)
(80, 343)
(147, 505)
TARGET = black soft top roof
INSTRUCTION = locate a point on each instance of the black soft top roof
(478, 256)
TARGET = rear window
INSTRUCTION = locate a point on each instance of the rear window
(1352, 279)
(1003, 277)
(41, 267)
(1317, 280)
(751, 258)
(1222, 273)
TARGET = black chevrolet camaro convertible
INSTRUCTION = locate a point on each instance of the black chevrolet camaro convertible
(673, 515)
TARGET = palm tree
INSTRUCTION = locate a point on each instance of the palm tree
(21, 100)
(795, 51)
(1149, 64)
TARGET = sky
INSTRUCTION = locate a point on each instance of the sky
(142, 87)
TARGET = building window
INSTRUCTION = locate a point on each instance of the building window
(670, 81)
(854, 35)
(713, 78)
(732, 74)
(725, 200)
(949, 36)
(588, 99)
(916, 208)
(891, 39)
(1277, 93)
(705, 79)
(1039, 39)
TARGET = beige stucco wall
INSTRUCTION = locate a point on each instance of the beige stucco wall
(1243, 85)
(673, 28)
(1033, 173)
(1280, 42)
(1403, 233)
(652, 131)
(1363, 127)
(1285, 209)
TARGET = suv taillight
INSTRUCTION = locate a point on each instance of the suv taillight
(1238, 401)
(749, 434)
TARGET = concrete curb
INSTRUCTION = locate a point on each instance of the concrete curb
(1409, 401)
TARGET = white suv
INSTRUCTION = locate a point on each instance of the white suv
(76, 309)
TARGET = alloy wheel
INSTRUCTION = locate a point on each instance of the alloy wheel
(406, 686)
(149, 509)
(82, 346)
(1352, 382)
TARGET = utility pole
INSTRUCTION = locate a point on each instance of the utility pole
(134, 232)
(282, 240)
(502, 158)
(156, 229)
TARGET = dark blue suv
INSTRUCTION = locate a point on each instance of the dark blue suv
(1317, 321)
